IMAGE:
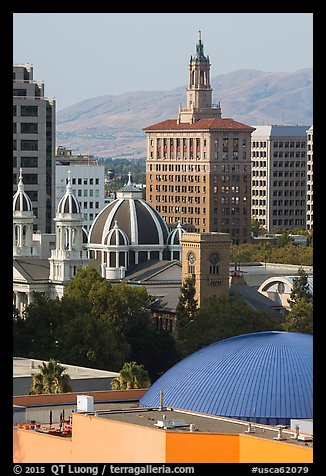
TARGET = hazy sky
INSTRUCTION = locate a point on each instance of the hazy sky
(84, 55)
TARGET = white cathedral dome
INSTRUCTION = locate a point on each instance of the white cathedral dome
(21, 201)
(68, 203)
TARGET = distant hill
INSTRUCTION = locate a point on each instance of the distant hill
(112, 126)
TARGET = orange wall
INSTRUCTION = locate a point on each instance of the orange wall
(32, 447)
(201, 448)
(62, 398)
(99, 440)
(258, 450)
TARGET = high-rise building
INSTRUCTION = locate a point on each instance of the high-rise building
(198, 165)
(279, 176)
(310, 178)
(34, 144)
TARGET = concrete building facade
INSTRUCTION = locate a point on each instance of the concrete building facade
(87, 180)
(279, 176)
(34, 144)
(310, 178)
(198, 165)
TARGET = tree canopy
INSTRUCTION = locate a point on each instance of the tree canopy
(95, 324)
(222, 317)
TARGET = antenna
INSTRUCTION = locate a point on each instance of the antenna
(161, 401)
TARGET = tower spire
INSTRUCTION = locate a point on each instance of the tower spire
(200, 49)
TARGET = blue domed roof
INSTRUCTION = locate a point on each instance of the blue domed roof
(264, 377)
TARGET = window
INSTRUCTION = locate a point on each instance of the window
(29, 111)
(29, 128)
(29, 162)
(33, 194)
(30, 179)
(29, 145)
(19, 92)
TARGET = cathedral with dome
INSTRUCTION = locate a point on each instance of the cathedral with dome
(128, 241)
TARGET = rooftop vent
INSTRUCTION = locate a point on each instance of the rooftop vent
(168, 424)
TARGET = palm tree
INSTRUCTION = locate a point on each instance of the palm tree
(50, 379)
(132, 375)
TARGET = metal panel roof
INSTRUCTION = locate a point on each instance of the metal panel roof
(264, 376)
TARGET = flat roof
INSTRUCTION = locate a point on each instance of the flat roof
(132, 413)
(203, 423)
(25, 367)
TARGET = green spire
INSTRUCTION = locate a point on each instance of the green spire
(200, 50)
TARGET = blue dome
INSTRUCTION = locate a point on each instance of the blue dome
(264, 377)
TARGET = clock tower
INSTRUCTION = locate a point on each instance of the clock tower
(205, 256)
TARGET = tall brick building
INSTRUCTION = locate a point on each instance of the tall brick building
(198, 165)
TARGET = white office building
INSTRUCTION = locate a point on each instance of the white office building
(279, 176)
(87, 183)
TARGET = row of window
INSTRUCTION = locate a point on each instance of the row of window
(190, 156)
(289, 193)
(256, 153)
(26, 111)
(87, 193)
(289, 144)
(85, 205)
(288, 164)
(26, 162)
(179, 199)
(26, 128)
(290, 203)
(85, 181)
(288, 212)
(297, 154)
(177, 168)
(190, 142)
(289, 183)
(289, 222)
(258, 144)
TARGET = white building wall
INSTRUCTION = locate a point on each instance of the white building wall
(87, 186)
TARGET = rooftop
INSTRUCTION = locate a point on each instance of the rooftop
(180, 421)
(23, 367)
(201, 124)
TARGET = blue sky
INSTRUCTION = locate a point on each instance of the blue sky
(84, 55)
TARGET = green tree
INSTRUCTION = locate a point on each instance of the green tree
(300, 317)
(300, 289)
(284, 239)
(51, 379)
(257, 228)
(36, 333)
(223, 317)
(132, 375)
(187, 305)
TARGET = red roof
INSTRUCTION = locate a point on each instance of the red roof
(206, 124)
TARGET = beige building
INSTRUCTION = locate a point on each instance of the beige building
(279, 176)
(34, 144)
(205, 257)
(310, 178)
(198, 165)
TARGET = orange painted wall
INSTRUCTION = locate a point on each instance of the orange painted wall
(201, 448)
(258, 450)
(99, 440)
(32, 447)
